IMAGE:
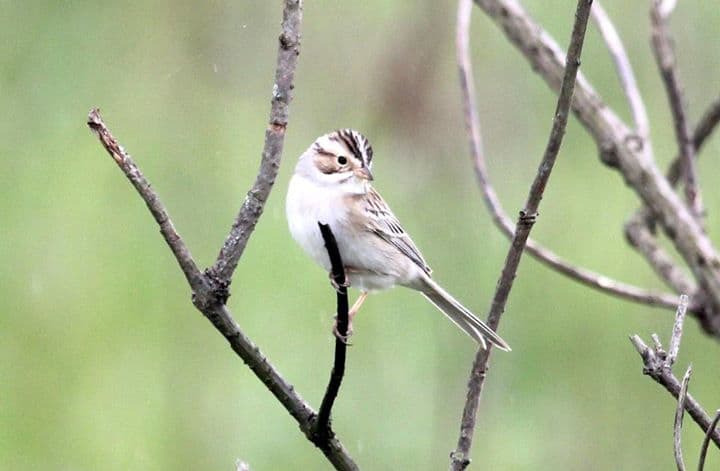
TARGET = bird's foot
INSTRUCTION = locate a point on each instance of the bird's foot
(336, 285)
(343, 338)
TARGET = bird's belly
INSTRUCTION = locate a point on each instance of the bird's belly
(371, 264)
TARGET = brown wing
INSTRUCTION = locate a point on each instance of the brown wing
(384, 223)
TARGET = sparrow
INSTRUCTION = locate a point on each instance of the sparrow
(332, 185)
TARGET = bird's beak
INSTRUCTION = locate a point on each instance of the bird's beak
(364, 173)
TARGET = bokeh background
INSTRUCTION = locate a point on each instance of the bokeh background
(105, 364)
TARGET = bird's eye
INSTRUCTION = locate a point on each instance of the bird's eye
(342, 160)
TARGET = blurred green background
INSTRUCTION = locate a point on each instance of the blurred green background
(105, 364)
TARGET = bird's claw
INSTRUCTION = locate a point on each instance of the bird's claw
(343, 338)
(336, 285)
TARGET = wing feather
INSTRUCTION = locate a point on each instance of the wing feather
(385, 225)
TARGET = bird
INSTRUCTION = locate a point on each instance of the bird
(331, 185)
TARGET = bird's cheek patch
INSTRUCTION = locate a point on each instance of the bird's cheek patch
(326, 164)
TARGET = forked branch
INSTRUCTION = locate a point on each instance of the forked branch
(658, 365)
(210, 289)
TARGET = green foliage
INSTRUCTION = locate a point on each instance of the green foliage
(104, 362)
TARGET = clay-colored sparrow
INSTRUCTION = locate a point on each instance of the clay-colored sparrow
(331, 185)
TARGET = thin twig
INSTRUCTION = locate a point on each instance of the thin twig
(143, 187)
(654, 365)
(677, 426)
(618, 149)
(677, 331)
(623, 69)
(706, 441)
(502, 220)
(641, 238)
(204, 286)
(216, 312)
(322, 424)
(254, 203)
(665, 57)
(460, 457)
(704, 128)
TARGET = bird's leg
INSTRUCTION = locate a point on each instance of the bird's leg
(351, 314)
(356, 307)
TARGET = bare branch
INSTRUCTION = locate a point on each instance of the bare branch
(655, 366)
(624, 70)
(460, 457)
(677, 331)
(215, 311)
(665, 57)
(618, 147)
(205, 287)
(322, 425)
(502, 220)
(677, 427)
(252, 207)
(706, 441)
(640, 237)
(144, 189)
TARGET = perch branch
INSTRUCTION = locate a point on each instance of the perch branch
(706, 441)
(254, 203)
(460, 457)
(322, 425)
(504, 223)
(618, 148)
(665, 57)
(204, 286)
(677, 426)
(623, 69)
(216, 312)
(658, 365)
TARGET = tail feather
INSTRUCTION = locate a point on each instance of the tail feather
(461, 316)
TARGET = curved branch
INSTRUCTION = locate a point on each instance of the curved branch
(618, 147)
(502, 220)
(460, 457)
(624, 70)
(706, 441)
(254, 203)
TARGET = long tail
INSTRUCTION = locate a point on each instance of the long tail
(461, 316)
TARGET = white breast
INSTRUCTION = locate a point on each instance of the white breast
(373, 264)
(306, 205)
